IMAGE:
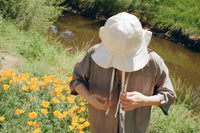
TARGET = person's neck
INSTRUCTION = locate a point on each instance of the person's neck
(119, 74)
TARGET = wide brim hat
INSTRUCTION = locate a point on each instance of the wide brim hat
(123, 44)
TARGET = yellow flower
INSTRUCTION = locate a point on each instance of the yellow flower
(5, 86)
(34, 80)
(79, 111)
(59, 94)
(70, 99)
(81, 132)
(81, 120)
(82, 108)
(4, 72)
(36, 124)
(56, 113)
(69, 78)
(87, 124)
(74, 124)
(71, 114)
(44, 111)
(75, 107)
(25, 88)
(7, 73)
(2, 118)
(42, 83)
(66, 87)
(3, 79)
(80, 127)
(30, 123)
(45, 104)
(11, 82)
(61, 116)
(65, 113)
(71, 127)
(53, 93)
(59, 88)
(34, 87)
(55, 100)
(18, 78)
(70, 111)
(25, 76)
(75, 118)
(32, 115)
(11, 73)
(19, 111)
(82, 103)
(37, 130)
(63, 98)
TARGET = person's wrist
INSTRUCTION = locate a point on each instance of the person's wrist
(146, 101)
(87, 97)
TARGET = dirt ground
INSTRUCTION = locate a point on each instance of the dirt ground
(7, 61)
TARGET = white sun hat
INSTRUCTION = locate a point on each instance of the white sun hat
(123, 44)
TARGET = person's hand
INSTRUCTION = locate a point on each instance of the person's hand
(132, 100)
(99, 102)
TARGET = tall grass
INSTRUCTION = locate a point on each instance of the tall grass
(35, 14)
(38, 53)
(184, 113)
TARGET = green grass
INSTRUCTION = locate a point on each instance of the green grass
(179, 13)
(175, 14)
(180, 120)
(40, 55)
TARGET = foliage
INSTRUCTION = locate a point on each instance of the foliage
(39, 54)
(35, 14)
(178, 13)
(31, 104)
(187, 95)
(179, 120)
(173, 13)
(98, 8)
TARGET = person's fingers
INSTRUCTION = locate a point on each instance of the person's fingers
(104, 99)
(108, 104)
(125, 99)
(100, 105)
(129, 94)
(102, 102)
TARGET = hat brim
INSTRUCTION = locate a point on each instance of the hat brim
(134, 62)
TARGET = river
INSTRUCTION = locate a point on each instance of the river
(76, 30)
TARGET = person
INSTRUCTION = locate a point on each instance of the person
(121, 78)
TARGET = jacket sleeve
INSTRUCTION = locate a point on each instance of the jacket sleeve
(81, 73)
(163, 87)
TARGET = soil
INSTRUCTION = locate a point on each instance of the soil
(7, 61)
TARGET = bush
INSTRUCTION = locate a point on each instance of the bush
(35, 14)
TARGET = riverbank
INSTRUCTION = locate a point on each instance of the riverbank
(177, 21)
(39, 55)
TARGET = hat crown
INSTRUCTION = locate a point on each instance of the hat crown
(122, 34)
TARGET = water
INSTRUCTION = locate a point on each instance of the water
(76, 30)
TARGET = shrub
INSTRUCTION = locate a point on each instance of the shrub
(36, 14)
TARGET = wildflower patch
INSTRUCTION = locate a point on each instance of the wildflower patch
(40, 104)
